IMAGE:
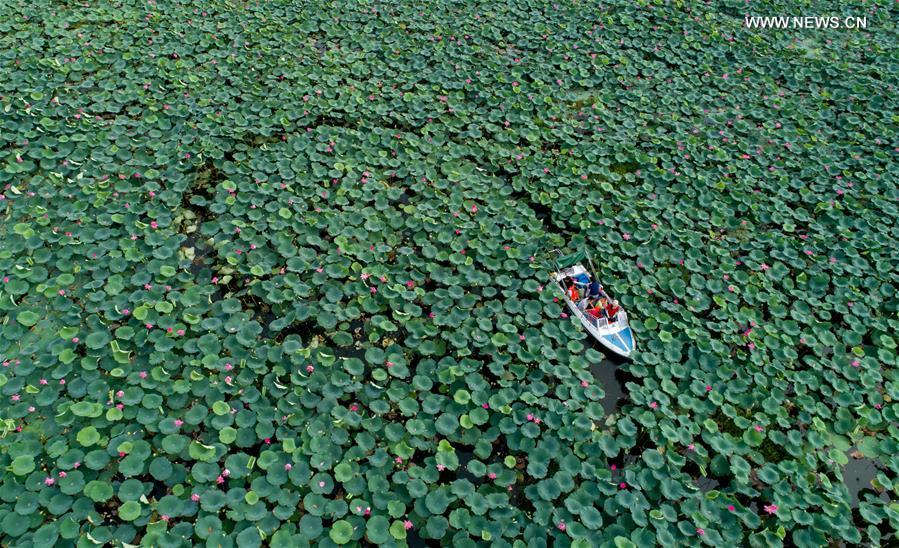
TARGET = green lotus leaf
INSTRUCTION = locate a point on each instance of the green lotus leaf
(341, 532)
(22, 465)
(130, 510)
(28, 318)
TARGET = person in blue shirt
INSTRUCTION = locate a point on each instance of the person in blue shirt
(583, 282)
(595, 290)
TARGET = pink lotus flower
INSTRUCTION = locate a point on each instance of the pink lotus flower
(15, 397)
(758, 428)
(288, 467)
(731, 507)
(585, 384)
(626, 236)
(486, 406)
(653, 405)
(309, 369)
(62, 292)
(530, 417)
(62, 474)
(390, 364)
(407, 525)
(321, 484)
(771, 508)
(195, 497)
(856, 363)
(42, 381)
(492, 475)
(561, 526)
(226, 472)
(220, 480)
(708, 388)
(178, 422)
(764, 266)
(700, 531)
(75, 340)
(622, 485)
(49, 481)
(441, 467)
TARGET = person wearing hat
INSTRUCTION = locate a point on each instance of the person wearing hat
(612, 309)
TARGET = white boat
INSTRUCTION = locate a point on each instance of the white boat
(615, 333)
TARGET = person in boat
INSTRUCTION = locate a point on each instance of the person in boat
(573, 292)
(597, 311)
(582, 281)
(595, 290)
(612, 310)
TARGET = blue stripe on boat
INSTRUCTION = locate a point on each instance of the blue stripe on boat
(614, 341)
(628, 338)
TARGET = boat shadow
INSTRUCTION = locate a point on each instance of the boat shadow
(610, 373)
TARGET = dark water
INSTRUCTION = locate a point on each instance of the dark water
(707, 484)
(857, 475)
(610, 375)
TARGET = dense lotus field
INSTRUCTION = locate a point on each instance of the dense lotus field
(276, 273)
